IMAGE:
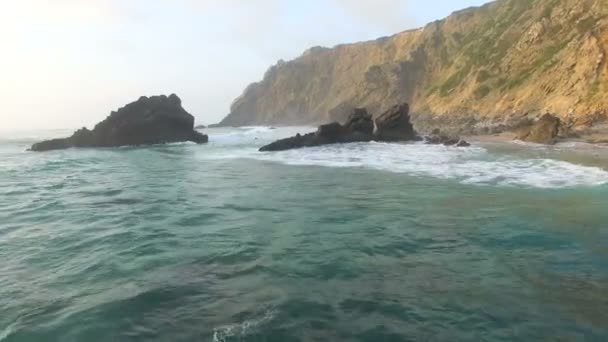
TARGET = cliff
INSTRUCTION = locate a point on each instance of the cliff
(479, 68)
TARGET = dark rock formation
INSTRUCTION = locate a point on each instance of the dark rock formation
(544, 131)
(441, 139)
(153, 120)
(200, 127)
(360, 121)
(395, 125)
(358, 128)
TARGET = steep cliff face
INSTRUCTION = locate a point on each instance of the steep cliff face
(477, 68)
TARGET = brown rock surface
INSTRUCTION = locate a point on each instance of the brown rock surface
(543, 131)
(395, 124)
(480, 70)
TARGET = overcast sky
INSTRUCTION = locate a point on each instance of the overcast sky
(68, 63)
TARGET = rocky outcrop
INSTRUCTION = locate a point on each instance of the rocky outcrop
(392, 126)
(544, 131)
(149, 120)
(395, 125)
(358, 128)
(478, 71)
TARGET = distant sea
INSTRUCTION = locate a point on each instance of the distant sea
(360, 242)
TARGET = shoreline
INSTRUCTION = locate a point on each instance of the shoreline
(595, 139)
(575, 150)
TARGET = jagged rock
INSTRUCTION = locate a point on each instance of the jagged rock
(395, 125)
(297, 141)
(149, 120)
(565, 37)
(360, 121)
(463, 143)
(544, 131)
(446, 140)
(358, 128)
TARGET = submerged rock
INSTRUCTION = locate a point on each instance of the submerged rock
(395, 124)
(358, 128)
(544, 131)
(149, 120)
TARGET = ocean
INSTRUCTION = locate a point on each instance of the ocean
(502, 241)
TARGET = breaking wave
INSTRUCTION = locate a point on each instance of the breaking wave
(475, 165)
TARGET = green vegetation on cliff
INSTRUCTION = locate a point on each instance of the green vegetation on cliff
(487, 63)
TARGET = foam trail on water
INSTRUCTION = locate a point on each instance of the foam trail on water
(240, 330)
(474, 165)
(251, 135)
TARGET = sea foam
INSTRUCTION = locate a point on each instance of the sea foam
(241, 330)
(474, 165)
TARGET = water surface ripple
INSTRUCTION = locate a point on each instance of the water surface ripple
(366, 242)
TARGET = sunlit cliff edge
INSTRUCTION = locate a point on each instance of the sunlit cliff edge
(479, 68)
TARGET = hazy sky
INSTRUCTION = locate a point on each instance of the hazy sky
(68, 63)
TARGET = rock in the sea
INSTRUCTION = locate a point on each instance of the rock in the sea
(200, 127)
(360, 121)
(149, 120)
(358, 128)
(441, 139)
(463, 143)
(395, 124)
(544, 131)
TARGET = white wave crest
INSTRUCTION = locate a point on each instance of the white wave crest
(474, 165)
(251, 135)
(239, 330)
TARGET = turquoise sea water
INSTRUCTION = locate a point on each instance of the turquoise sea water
(364, 242)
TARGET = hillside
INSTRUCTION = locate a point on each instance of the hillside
(479, 68)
